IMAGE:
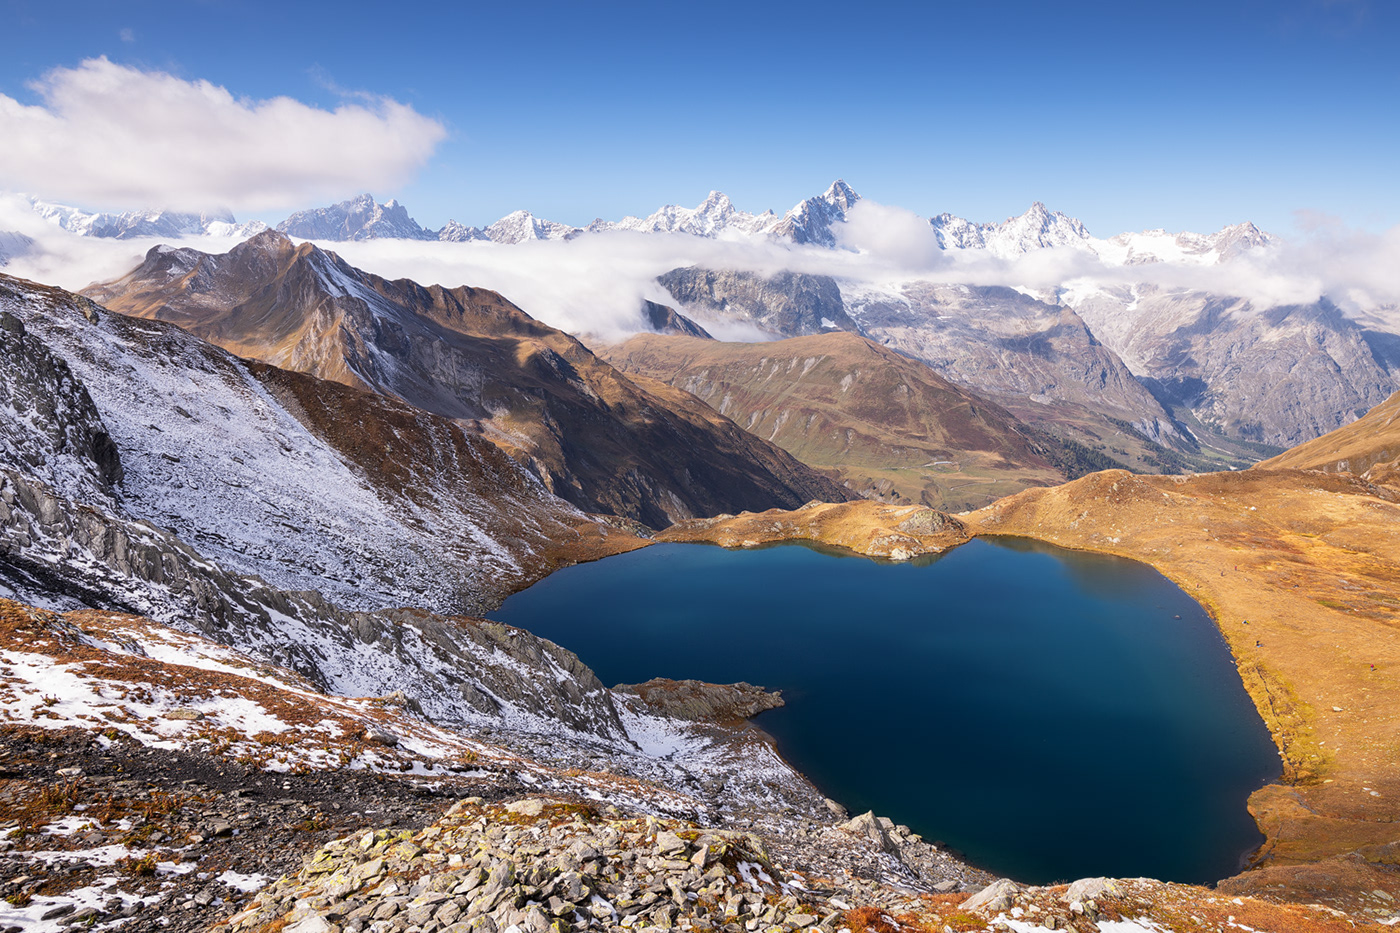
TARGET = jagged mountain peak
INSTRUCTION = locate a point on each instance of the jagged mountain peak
(455, 232)
(716, 200)
(359, 218)
(841, 194)
(1042, 218)
(809, 222)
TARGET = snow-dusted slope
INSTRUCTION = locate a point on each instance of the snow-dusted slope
(249, 465)
(132, 224)
(12, 245)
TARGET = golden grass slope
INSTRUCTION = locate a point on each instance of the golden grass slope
(1371, 443)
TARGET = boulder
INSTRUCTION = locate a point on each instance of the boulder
(995, 897)
(1091, 889)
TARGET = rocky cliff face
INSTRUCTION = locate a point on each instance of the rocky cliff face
(790, 304)
(591, 435)
(1000, 342)
(53, 432)
(1278, 376)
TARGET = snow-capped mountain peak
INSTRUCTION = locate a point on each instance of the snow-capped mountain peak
(710, 218)
(1038, 228)
(360, 218)
(143, 223)
(809, 222)
(1158, 245)
(840, 195)
(454, 232)
(520, 226)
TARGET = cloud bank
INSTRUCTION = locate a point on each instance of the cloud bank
(595, 284)
(108, 136)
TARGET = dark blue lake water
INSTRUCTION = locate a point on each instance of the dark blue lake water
(1050, 714)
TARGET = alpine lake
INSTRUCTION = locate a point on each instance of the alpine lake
(1048, 714)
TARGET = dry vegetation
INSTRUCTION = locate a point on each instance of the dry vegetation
(1300, 570)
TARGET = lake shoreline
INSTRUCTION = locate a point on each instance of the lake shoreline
(1275, 557)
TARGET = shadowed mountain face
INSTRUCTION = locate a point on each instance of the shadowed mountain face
(666, 320)
(1278, 376)
(888, 424)
(791, 304)
(593, 436)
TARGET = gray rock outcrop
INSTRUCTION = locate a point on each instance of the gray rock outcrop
(792, 304)
(1277, 376)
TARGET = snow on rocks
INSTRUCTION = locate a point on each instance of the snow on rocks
(212, 454)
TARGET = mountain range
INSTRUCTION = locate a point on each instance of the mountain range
(812, 221)
(131, 225)
(1208, 375)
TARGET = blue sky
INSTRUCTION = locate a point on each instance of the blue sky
(1182, 115)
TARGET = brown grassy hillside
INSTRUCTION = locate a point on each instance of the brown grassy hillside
(1372, 443)
(887, 425)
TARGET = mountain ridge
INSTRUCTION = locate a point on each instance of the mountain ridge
(813, 221)
(589, 434)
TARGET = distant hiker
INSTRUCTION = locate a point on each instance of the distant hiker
(1258, 643)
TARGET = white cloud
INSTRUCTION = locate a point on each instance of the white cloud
(113, 137)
